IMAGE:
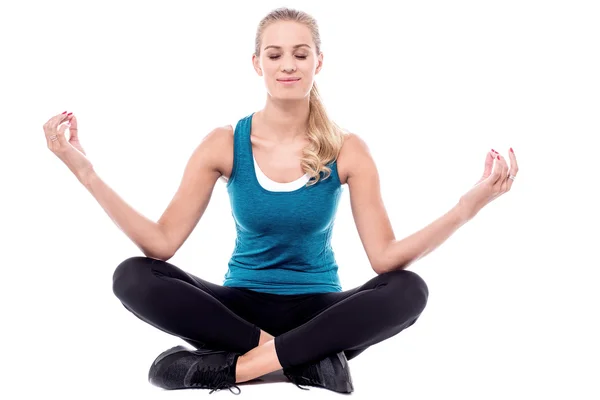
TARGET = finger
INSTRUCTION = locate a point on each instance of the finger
(54, 117)
(58, 119)
(60, 142)
(73, 128)
(514, 168)
(503, 175)
(501, 168)
(496, 171)
(489, 163)
(52, 124)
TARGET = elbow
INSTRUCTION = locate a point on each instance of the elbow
(393, 258)
(378, 267)
(158, 256)
(378, 271)
(160, 250)
(382, 266)
(163, 253)
(380, 263)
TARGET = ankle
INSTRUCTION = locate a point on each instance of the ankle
(264, 337)
(241, 374)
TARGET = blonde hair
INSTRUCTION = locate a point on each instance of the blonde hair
(325, 136)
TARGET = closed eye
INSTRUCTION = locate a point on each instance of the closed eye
(276, 57)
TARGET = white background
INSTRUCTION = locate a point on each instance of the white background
(431, 87)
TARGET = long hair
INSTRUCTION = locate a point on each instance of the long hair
(325, 136)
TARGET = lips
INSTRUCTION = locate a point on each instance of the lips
(288, 79)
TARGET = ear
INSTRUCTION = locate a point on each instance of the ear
(256, 65)
(319, 63)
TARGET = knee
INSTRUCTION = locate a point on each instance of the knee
(129, 275)
(407, 289)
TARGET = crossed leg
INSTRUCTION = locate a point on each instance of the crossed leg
(209, 315)
(348, 321)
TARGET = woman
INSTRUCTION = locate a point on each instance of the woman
(281, 305)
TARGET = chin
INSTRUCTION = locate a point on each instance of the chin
(289, 95)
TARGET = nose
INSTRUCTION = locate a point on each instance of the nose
(288, 66)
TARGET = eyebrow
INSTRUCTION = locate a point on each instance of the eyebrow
(279, 47)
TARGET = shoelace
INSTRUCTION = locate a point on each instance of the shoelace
(213, 378)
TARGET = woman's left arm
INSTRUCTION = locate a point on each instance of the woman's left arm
(399, 254)
(495, 181)
(385, 252)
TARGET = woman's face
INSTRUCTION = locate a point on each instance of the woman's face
(288, 51)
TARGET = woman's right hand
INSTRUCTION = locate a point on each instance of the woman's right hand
(70, 152)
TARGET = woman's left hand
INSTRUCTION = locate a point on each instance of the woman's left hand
(494, 183)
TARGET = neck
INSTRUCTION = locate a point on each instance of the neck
(286, 120)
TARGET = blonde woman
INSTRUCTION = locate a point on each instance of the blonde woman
(281, 305)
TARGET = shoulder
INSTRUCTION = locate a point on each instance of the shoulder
(216, 147)
(352, 155)
(355, 142)
(218, 139)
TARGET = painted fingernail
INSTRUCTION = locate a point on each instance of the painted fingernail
(498, 157)
(65, 112)
(511, 150)
(494, 151)
(69, 114)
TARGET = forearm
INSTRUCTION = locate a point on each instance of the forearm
(399, 254)
(146, 234)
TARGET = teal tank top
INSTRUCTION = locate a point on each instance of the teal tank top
(283, 238)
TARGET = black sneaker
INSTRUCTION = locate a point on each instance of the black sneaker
(330, 373)
(180, 368)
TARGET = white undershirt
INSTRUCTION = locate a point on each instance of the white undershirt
(273, 186)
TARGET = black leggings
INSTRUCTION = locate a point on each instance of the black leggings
(306, 327)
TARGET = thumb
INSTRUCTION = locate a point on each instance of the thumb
(73, 126)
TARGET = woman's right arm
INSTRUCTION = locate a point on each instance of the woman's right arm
(160, 240)
(146, 234)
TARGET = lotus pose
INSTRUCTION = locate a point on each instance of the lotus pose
(281, 304)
